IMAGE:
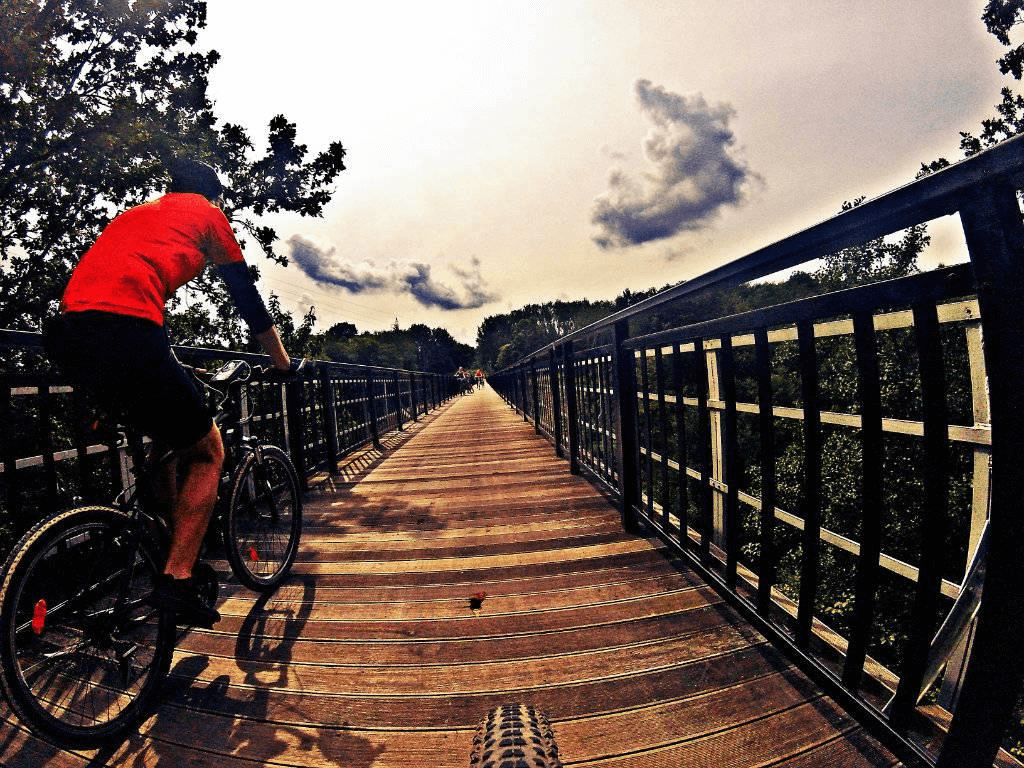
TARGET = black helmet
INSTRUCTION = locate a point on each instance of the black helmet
(189, 175)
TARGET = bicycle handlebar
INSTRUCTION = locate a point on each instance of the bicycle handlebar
(241, 371)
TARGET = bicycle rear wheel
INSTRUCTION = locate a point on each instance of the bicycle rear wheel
(81, 654)
(263, 520)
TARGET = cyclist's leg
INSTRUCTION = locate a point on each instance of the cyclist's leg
(193, 504)
(128, 364)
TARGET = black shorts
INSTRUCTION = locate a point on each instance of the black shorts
(126, 366)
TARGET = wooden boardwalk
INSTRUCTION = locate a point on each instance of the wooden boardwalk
(459, 568)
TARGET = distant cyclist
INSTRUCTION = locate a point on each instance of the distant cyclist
(111, 343)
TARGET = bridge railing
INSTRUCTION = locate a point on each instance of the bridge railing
(844, 468)
(48, 459)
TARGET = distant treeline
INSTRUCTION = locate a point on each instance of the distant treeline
(416, 348)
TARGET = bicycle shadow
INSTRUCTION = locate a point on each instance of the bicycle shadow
(18, 747)
(244, 717)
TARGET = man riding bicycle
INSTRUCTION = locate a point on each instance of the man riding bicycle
(111, 343)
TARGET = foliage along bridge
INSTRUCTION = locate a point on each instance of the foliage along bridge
(660, 581)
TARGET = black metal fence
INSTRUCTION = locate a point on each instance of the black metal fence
(845, 468)
(49, 460)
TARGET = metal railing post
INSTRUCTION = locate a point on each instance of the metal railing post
(535, 391)
(556, 402)
(330, 420)
(572, 407)
(397, 382)
(625, 426)
(296, 429)
(413, 400)
(371, 410)
(995, 669)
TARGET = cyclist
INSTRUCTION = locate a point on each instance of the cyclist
(111, 342)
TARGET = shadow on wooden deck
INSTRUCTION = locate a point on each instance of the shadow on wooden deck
(458, 568)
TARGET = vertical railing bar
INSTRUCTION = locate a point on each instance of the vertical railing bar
(46, 444)
(536, 390)
(766, 427)
(706, 454)
(659, 371)
(599, 415)
(572, 406)
(647, 466)
(627, 452)
(981, 490)
(330, 420)
(414, 407)
(371, 410)
(935, 520)
(396, 381)
(606, 370)
(866, 346)
(596, 414)
(589, 388)
(556, 402)
(727, 383)
(85, 479)
(811, 511)
(12, 480)
(524, 392)
(296, 429)
(681, 443)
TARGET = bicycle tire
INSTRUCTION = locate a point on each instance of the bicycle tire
(79, 665)
(261, 539)
(514, 736)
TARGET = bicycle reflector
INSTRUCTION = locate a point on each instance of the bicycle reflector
(252, 554)
(39, 617)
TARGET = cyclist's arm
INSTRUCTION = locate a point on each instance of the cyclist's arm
(222, 249)
(254, 312)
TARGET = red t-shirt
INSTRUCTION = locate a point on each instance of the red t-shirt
(147, 253)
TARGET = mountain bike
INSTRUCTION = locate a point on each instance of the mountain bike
(82, 653)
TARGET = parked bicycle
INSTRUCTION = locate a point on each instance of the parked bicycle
(82, 653)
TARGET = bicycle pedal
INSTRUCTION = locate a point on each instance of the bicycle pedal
(206, 579)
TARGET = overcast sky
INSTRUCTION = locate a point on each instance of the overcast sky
(502, 153)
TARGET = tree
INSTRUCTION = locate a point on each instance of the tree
(95, 97)
(1000, 16)
(502, 339)
(416, 348)
(879, 259)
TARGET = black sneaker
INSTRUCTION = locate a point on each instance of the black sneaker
(182, 596)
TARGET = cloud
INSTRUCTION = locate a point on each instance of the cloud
(413, 278)
(693, 172)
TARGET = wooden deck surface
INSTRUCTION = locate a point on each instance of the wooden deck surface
(373, 654)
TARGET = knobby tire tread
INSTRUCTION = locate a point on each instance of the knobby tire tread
(514, 736)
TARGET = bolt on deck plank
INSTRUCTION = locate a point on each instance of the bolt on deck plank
(458, 568)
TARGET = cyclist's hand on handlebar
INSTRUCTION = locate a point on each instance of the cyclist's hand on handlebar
(297, 369)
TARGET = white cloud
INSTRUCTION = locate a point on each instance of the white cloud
(396, 277)
(693, 172)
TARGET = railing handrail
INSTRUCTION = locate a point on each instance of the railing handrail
(938, 194)
(11, 337)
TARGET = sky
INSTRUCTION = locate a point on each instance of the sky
(501, 153)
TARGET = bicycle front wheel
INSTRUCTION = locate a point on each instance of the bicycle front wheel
(81, 653)
(263, 520)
